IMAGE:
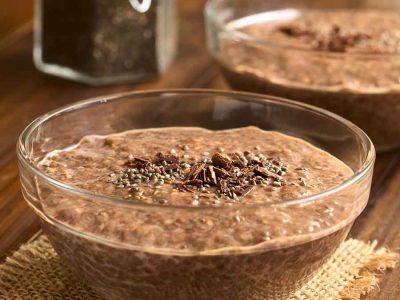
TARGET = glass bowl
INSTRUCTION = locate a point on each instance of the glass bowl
(362, 87)
(117, 268)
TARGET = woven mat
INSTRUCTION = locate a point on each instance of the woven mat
(36, 272)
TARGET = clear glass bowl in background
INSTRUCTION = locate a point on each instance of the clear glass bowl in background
(117, 269)
(375, 107)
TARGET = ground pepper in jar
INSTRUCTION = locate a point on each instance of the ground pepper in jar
(104, 41)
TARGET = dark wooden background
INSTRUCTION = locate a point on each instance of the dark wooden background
(26, 94)
(14, 14)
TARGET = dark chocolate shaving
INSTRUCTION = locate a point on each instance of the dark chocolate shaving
(294, 31)
(222, 173)
(169, 158)
(334, 40)
(239, 160)
(195, 171)
(212, 175)
(221, 160)
(229, 176)
(138, 163)
(267, 173)
(235, 174)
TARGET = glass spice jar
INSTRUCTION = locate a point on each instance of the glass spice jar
(104, 41)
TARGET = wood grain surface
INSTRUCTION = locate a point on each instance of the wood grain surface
(13, 14)
(25, 94)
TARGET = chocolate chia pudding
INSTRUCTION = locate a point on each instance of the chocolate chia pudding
(333, 59)
(244, 244)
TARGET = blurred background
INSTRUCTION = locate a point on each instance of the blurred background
(13, 14)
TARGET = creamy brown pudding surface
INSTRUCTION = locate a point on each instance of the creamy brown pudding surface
(213, 233)
(351, 31)
(318, 36)
(180, 166)
(333, 59)
(99, 164)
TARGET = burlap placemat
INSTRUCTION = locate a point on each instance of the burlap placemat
(36, 272)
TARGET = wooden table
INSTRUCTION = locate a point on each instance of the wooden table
(26, 94)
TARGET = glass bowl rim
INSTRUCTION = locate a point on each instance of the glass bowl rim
(211, 15)
(24, 159)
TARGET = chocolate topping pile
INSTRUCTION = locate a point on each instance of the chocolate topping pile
(334, 40)
(229, 176)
